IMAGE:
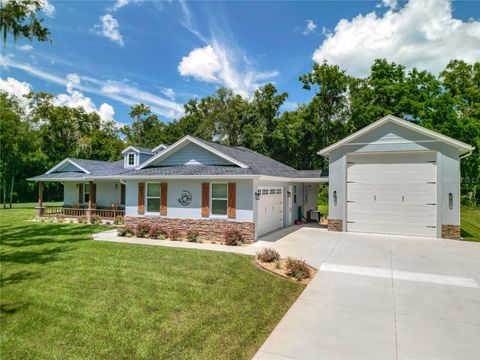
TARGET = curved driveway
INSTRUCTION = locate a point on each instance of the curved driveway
(379, 297)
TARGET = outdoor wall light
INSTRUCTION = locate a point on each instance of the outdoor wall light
(257, 195)
(289, 194)
(450, 201)
(116, 186)
(335, 198)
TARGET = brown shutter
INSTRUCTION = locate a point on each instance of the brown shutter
(205, 199)
(232, 200)
(141, 198)
(163, 198)
(122, 194)
(80, 193)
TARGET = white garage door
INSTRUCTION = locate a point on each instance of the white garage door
(392, 193)
(270, 210)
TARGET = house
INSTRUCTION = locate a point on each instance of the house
(391, 177)
(395, 177)
(191, 185)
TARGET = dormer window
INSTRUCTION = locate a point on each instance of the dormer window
(131, 159)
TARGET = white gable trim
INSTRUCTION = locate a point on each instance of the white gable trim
(63, 162)
(136, 150)
(180, 143)
(464, 148)
(161, 146)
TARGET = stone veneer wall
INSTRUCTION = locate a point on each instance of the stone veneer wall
(451, 232)
(335, 225)
(211, 229)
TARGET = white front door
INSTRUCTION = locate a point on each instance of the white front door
(270, 210)
(392, 193)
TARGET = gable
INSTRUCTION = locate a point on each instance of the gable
(191, 154)
(68, 167)
(391, 132)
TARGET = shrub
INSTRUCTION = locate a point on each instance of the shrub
(95, 219)
(297, 268)
(157, 232)
(174, 235)
(192, 235)
(268, 255)
(82, 220)
(60, 218)
(232, 237)
(118, 220)
(126, 231)
(142, 230)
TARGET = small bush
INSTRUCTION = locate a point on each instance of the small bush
(82, 220)
(297, 268)
(142, 230)
(157, 232)
(268, 255)
(174, 235)
(60, 218)
(95, 219)
(192, 235)
(233, 237)
(126, 231)
(118, 220)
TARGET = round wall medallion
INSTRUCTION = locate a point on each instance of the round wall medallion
(185, 198)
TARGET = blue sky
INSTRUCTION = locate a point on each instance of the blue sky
(107, 56)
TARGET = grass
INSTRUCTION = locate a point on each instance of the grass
(470, 220)
(64, 295)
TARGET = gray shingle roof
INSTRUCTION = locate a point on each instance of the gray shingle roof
(258, 164)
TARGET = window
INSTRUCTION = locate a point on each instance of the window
(131, 159)
(219, 199)
(153, 197)
(86, 193)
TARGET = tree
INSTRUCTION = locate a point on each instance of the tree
(19, 18)
(146, 129)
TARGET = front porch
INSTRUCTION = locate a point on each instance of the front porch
(70, 212)
(85, 204)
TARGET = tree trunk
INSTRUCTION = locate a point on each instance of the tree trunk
(11, 189)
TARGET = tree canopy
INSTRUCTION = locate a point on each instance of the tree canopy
(341, 104)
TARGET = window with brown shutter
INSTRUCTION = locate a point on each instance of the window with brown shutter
(232, 200)
(141, 198)
(205, 199)
(163, 199)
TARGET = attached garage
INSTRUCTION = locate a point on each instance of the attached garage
(395, 177)
(269, 210)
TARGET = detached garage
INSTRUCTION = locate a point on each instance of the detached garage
(395, 177)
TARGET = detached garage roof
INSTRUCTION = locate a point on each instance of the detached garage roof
(462, 147)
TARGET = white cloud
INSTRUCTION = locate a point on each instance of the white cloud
(422, 34)
(110, 29)
(309, 28)
(121, 3)
(17, 88)
(168, 92)
(392, 4)
(26, 47)
(122, 91)
(47, 8)
(221, 65)
(106, 112)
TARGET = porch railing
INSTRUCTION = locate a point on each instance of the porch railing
(52, 211)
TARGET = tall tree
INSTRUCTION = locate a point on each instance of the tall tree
(19, 18)
(146, 129)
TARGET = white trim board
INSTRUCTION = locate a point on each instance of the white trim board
(461, 146)
(180, 144)
(63, 162)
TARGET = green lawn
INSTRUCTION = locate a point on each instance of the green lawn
(66, 296)
(470, 219)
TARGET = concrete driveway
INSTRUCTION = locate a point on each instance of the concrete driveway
(379, 297)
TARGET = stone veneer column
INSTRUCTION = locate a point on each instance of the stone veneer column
(39, 208)
(451, 232)
(335, 225)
